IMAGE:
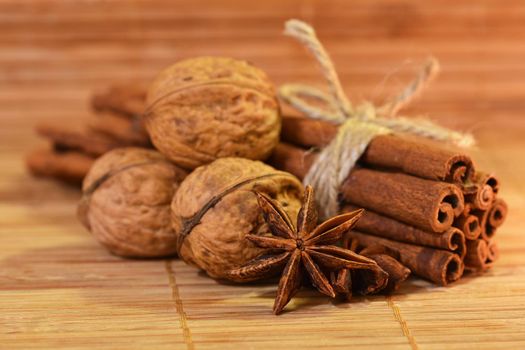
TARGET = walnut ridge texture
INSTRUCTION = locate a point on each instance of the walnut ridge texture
(205, 108)
(215, 208)
(126, 202)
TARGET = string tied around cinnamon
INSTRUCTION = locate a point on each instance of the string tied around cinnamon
(358, 125)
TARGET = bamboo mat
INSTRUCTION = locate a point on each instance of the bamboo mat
(59, 289)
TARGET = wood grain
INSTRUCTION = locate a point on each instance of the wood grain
(59, 289)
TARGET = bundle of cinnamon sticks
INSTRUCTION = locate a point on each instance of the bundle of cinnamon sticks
(73, 148)
(424, 201)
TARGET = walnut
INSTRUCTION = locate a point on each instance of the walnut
(126, 202)
(215, 208)
(206, 108)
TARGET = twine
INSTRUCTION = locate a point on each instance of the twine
(357, 125)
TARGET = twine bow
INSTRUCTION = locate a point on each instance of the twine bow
(357, 125)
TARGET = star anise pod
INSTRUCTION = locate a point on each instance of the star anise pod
(369, 281)
(302, 249)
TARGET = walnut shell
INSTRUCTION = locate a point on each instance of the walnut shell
(126, 202)
(206, 108)
(215, 208)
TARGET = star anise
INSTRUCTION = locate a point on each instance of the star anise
(369, 281)
(306, 247)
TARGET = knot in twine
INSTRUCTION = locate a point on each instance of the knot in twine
(357, 125)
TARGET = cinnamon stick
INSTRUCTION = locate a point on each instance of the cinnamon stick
(481, 196)
(481, 190)
(412, 155)
(70, 167)
(477, 255)
(497, 214)
(292, 159)
(127, 131)
(128, 100)
(487, 179)
(306, 132)
(468, 222)
(493, 252)
(85, 141)
(436, 265)
(482, 216)
(469, 225)
(429, 205)
(492, 218)
(379, 225)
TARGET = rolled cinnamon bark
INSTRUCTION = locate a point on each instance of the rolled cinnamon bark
(84, 141)
(486, 179)
(436, 265)
(469, 225)
(477, 255)
(491, 219)
(292, 159)
(306, 132)
(70, 167)
(452, 239)
(481, 190)
(412, 155)
(497, 214)
(128, 100)
(493, 252)
(128, 131)
(482, 216)
(480, 195)
(429, 205)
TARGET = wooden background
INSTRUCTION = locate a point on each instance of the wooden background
(59, 289)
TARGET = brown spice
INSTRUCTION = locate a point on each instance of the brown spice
(492, 218)
(128, 100)
(493, 252)
(452, 239)
(477, 255)
(439, 266)
(469, 224)
(68, 166)
(429, 205)
(342, 280)
(412, 155)
(397, 272)
(496, 216)
(126, 131)
(66, 137)
(487, 179)
(304, 247)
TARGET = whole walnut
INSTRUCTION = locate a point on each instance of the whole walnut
(205, 108)
(126, 202)
(215, 208)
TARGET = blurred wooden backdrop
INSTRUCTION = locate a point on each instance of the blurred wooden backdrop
(55, 52)
(58, 288)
